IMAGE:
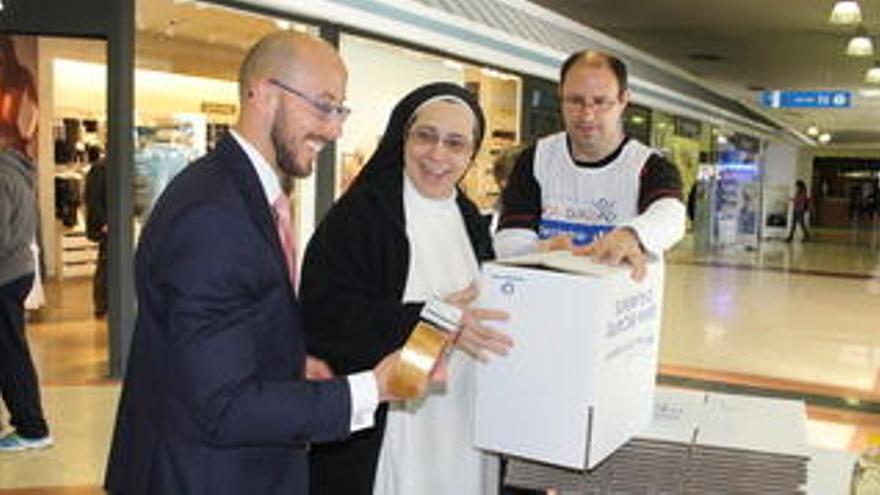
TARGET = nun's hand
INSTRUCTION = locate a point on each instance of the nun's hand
(464, 297)
(475, 338)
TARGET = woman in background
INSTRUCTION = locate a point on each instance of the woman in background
(800, 207)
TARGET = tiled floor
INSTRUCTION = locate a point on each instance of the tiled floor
(795, 319)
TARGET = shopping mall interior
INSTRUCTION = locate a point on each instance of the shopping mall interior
(746, 310)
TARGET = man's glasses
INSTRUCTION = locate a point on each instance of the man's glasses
(597, 105)
(455, 144)
(327, 109)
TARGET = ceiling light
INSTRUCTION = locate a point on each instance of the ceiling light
(1, 5)
(869, 93)
(873, 74)
(860, 45)
(813, 130)
(846, 12)
(825, 137)
(282, 24)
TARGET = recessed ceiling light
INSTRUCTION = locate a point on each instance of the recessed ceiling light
(873, 74)
(846, 12)
(813, 130)
(282, 24)
(860, 45)
(825, 137)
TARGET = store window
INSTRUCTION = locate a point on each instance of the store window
(380, 74)
(637, 123)
(681, 140)
(186, 92)
(845, 192)
(56, 115)
(541, 115)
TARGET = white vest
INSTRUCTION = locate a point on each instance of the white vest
(586, 202)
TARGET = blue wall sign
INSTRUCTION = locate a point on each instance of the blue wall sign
(807, 99)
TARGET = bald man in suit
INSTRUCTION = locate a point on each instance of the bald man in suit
(216, 397)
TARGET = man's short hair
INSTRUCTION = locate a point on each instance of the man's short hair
(265, 57)
(594, 58)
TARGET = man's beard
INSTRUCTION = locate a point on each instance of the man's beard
(285, 159)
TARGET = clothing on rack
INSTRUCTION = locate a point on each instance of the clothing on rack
(68, 198)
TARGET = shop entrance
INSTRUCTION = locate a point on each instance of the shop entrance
(846, 203)
(55, 115)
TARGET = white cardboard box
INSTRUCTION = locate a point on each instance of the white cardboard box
(580, 379)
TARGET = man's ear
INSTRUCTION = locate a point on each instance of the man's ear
(260, 95)
(625, 97)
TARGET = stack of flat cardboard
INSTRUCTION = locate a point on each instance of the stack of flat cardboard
(698, 443)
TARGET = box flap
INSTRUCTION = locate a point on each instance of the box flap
(563, 261)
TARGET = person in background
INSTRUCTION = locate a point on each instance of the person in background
(96, 225)
(219, 396)
(502, 167)
(404, 238)
(591, 188)
(19, 385)
(800, 206)
(18, 101)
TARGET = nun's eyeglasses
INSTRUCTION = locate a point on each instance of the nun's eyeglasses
(454, 143)
(328, 110)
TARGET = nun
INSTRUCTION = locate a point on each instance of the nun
(402, 237)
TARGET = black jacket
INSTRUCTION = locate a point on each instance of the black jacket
(355, 270)
(96, 201)
(353, 278)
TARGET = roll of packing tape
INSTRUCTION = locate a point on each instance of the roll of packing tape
(421, 353)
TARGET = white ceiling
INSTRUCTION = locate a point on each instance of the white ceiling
(772, 44)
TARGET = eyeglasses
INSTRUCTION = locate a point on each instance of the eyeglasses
(597, 105)
(455, 144)
(327, 109)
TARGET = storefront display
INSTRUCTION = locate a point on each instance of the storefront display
(737, 193)
(162, 152)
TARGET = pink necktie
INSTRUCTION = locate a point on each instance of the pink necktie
(281, 205)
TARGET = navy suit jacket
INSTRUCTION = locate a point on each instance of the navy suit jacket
(214, 400)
